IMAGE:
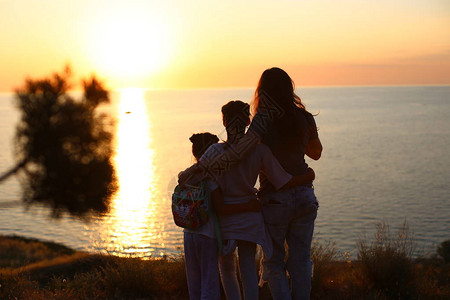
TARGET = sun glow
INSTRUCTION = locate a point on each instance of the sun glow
(130, 45)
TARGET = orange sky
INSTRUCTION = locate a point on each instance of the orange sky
(190, 44)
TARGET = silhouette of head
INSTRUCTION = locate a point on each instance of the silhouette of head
(201, 142)
(276, 84)
(236, 115)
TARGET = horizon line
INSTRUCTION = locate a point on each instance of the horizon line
(252, 87)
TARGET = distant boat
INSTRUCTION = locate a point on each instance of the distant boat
(128, 112)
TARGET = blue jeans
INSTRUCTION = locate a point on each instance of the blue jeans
(289, 216)
(201, 257)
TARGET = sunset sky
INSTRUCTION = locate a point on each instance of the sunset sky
(193, 44)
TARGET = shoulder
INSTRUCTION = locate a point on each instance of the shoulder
(305, 113)
(308, 116)
(217, 146)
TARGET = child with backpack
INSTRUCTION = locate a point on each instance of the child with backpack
(202, 243)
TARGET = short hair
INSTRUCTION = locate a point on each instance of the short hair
(201, 142)
(236, 114)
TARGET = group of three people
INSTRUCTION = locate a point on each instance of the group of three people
(282, 211)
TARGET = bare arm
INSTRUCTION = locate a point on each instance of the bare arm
(300, 179)
(314, 149)
(229, 209)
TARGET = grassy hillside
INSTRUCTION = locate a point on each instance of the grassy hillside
(30, 269)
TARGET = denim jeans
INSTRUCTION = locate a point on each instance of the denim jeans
(202, 271)
(289, 216)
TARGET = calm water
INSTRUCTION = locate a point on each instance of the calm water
(386, 158)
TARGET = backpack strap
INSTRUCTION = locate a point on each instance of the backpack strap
(218, 233)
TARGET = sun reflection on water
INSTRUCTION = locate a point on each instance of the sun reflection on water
(132, 210)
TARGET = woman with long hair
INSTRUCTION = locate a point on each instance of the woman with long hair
(289, 214)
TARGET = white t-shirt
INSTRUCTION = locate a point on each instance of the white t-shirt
(238, 186)
(238, 183)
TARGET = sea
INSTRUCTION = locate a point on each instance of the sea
(385, 160)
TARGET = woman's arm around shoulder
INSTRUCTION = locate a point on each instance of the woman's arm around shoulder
(297, 180)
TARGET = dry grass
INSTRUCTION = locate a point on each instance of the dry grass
(387, 261)
(384, 270)
(35, 270)
(16, 251)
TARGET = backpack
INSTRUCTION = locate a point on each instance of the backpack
(190, 205)
(191, 208)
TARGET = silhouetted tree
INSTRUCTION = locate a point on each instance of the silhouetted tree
(63, 147)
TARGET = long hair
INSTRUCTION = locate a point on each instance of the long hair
(276, 84)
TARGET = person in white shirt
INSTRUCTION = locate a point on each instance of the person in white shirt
(241, 220)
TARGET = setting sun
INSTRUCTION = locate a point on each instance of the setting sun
(130, 44)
